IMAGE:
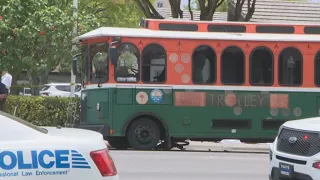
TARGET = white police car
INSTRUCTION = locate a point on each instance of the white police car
(295, 153)
(31, 152)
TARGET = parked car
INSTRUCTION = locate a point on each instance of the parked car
(25, 92)
(295, 153)
(32, 152)
(59, 90)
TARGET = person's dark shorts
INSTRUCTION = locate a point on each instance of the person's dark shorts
(2, 104)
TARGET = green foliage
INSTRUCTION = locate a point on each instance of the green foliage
(223, 7)
(42, 111)
(36, 35)
(113, 13)
(128, 60)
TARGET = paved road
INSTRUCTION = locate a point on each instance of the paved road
(175, 165)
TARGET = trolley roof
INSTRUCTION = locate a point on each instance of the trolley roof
(227, 26)
(147, 33)
(177, 21)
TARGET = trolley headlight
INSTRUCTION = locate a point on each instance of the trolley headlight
(83, 95)
(98, 106)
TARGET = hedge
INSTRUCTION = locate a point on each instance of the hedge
(39, 110)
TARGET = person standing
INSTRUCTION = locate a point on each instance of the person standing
(3, 95)
(6, 79)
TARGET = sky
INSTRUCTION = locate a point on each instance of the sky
(184, 2)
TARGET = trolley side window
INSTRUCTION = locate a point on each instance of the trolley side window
(99, 63)
(127, 69)
(204, 62)
(261, 67)
(84, 63)
(154, 58)
(233, 66)
(317, 69)
(290, 67)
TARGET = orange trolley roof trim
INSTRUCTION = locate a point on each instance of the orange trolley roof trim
(147, 33)
(220, 26)
(175, 21)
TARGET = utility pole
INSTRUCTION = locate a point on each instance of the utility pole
(74, 47)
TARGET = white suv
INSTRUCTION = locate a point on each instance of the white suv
(295, 153)
(59, 90)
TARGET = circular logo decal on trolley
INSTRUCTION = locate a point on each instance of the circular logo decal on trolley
(142, 97)
(231, 99)
(156, 96)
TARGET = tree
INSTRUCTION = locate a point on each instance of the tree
(207, 9)
(38, 36)
(236, 14)
(12, 51)
(175, 8)
(119, 13)
(148, 10)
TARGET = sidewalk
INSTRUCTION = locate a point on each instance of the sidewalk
(225, 145)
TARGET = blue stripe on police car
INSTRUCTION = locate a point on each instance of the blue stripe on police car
(78, 161)
(46, 159)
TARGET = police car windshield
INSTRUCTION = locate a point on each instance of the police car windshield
(14, 118)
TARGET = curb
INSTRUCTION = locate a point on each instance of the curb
(231, 147)
(242, 149)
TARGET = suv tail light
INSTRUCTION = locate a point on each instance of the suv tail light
(104, 162)
(316, 165)
(45, 93)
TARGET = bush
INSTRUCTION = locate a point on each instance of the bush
(42, 111)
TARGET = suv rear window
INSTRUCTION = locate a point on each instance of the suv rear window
(44, 88)
(63, 88)
(77, 88)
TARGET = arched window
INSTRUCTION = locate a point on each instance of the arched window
(290, 67)
(154, 58)
(127, 69)
(99, 62)
(204, 61)
(317, 69)
(232, 66)
(261, 67)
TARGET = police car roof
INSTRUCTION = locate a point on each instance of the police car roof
(309, 124)
(22, 129)
(147, 33)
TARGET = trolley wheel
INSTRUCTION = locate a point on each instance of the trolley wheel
(143, 134)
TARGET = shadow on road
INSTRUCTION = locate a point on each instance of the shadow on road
(193, 150)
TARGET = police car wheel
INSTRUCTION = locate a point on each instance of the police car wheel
(143, 134)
